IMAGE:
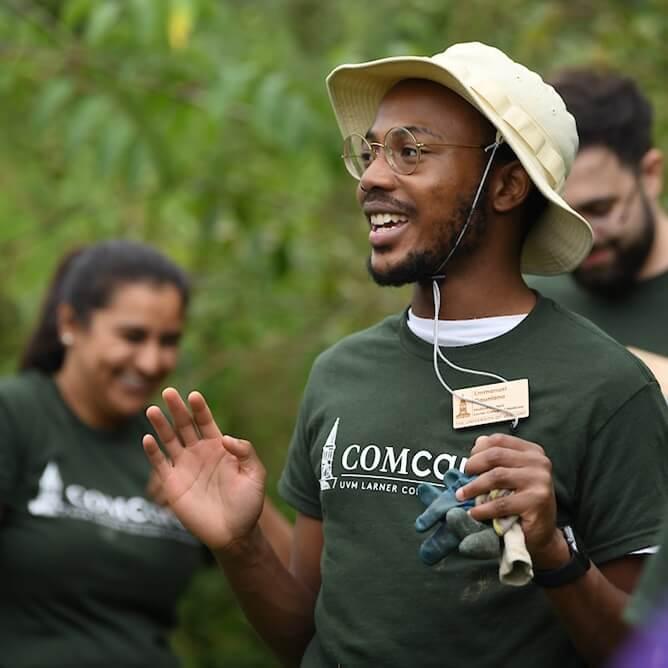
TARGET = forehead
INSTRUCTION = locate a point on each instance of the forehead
(150, 303)
(596, 173)
(425, 104)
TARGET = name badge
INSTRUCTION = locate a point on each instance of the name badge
(512, 397)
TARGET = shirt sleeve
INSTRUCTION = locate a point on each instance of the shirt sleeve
(298, 483)
(624, 478)
(9, 451)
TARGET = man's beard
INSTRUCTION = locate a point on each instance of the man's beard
(420, 266)
(617, 279)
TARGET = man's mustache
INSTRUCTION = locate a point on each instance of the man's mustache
(378, 196)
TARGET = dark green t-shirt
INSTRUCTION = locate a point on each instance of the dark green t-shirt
(91, 569)
(374, 423)
(639, 318)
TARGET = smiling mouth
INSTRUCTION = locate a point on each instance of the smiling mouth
(599, 256)
(135, 383)
(386, 221)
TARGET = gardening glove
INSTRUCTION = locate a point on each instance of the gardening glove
(439, 502)
(477, 540)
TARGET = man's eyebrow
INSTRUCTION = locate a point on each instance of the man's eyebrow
(425, 131)
(415, 129)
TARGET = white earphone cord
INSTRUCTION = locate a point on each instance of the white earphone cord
(437, 305)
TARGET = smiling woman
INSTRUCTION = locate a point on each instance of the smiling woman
(110, 330)
(93, 565)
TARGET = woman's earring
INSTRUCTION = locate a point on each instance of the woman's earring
(67, 339)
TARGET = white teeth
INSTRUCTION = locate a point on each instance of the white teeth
(132, 380)
(381, 219)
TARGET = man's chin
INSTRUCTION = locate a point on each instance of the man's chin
(415, 269)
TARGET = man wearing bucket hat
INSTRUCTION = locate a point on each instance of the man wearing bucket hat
(616, 181)
(459, 160)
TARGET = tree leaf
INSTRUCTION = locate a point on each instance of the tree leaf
(102, 19)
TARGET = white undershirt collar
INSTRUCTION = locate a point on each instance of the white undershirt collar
(454, 333)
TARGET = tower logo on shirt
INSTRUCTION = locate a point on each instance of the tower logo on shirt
(135, 515)
(327, 479)
(49, 499)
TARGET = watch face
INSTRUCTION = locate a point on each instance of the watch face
(570, 537)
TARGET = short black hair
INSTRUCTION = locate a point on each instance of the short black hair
(609, 110)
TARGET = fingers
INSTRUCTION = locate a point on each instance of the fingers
(500, 457)
(157, 459)
(512, 478)
(483, 443)
(165, 432)
(183, 421)
(192, 421)
(244, 453)
(504, 462)
(506, 506)
(241, 449)
(203, 417)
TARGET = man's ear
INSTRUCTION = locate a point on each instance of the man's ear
(651, 173)
(511, 185)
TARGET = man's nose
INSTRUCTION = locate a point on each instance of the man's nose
(378, 174)
(601, 231)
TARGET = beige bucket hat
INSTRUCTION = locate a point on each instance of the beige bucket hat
(529, 114)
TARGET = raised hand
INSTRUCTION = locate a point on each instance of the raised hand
(214, 483)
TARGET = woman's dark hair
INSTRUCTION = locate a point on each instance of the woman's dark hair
(86, 279)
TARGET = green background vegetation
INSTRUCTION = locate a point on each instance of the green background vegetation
(203, 126)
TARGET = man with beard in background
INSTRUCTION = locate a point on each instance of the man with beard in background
(615, 183)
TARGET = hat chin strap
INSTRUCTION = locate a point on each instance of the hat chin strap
(439, 275)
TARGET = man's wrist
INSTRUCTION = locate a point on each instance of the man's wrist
(553, 554)
(241, 549)
(564, 573)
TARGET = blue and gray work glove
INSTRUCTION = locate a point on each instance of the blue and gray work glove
(457, 530)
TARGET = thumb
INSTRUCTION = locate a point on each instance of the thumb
(244, 452)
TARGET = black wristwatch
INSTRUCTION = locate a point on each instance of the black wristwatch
(572, 570)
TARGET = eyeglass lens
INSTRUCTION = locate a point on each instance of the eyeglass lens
(401, 152)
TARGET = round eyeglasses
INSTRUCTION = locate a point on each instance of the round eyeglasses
(402, 151)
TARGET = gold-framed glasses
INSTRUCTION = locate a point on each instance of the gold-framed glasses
(402, 151)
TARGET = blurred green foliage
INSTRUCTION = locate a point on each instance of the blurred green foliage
(203, 126)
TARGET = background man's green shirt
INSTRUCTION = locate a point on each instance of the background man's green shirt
(374, 423)
(91, 568)
(639, 318)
